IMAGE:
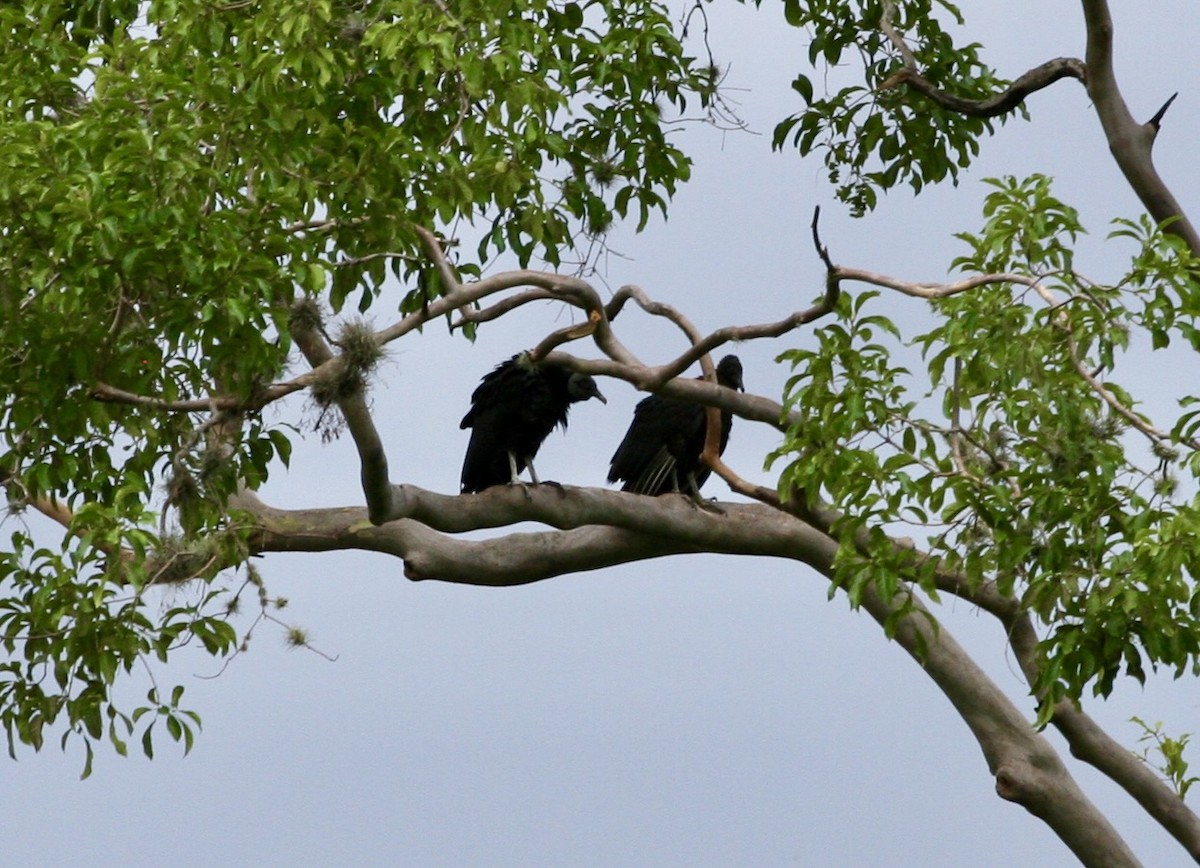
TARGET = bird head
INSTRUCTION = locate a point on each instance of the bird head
(580, 387)
(729, 373)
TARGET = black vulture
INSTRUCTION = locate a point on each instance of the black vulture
(513, 409)
(661, 450)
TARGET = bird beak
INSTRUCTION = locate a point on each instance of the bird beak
(603, 400)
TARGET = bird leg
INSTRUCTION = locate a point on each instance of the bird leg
(695, 498)
(533, 475)
(516, 474)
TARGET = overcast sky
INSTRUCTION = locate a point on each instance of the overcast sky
(700, 711)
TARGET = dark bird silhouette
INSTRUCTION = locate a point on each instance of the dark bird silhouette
(513, 409)
(661, 450)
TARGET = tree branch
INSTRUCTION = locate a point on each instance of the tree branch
(1092, 745)
(373, 464)
(1038, 78)
(1131, 143)
(1026, 767)
(260, 399)
(599, 527)
(932, 291)
(609, 528)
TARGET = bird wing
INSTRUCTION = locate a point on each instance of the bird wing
(658, 440)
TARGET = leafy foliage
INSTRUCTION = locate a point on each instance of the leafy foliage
(873, 135)
(176, 175)
(1015, 459)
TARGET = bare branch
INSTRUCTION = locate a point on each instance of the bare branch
(703, 346)
(654, 308)
(932, 290)
(500, 308)
(1038, 78)
(1131, 143)
(458, 295)
(372, 457)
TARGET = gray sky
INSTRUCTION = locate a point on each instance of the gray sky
(700, 711)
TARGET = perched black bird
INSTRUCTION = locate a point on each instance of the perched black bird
(661, 450)
(513, 409)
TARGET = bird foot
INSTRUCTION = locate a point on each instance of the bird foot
(562, 491)
(706, 505)
(524, 486)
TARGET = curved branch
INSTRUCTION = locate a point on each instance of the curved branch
(458, 295)
(1092, 745)
(1038, 78)
(500, 308)
(654, 308)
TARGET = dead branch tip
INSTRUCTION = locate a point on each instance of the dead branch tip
(1156, 121)
(822, 250)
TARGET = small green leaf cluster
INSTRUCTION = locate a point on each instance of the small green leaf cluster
(877, 135)
(1020, 462)
(1173, 766)
(71, 623)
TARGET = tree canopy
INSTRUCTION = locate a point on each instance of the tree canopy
(200, 196)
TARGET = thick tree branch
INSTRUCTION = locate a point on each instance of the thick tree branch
(1026, 767)
(600, 528)
(609, 528)
(1089, 743)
